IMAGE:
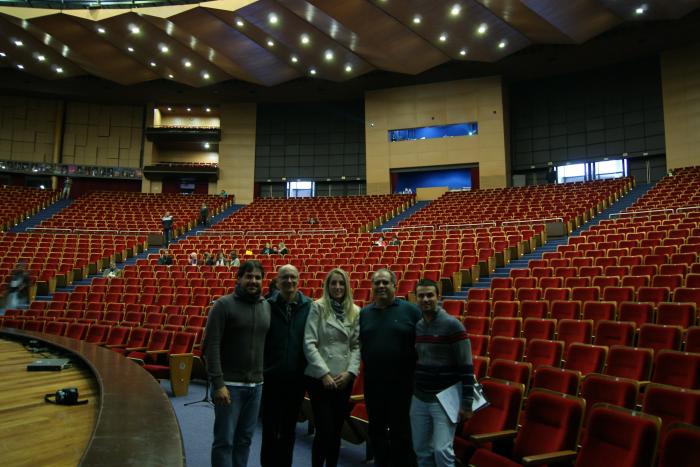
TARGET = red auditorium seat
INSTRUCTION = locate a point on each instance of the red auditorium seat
(629, 362)
(534, 309)
(538, 328)
(506, 309)
(479, 344)
(478, 308)
(97, 334)
(681, 447)
(676, 314)
(477, 324)
(556, 379)
(597, 388)
(507, 348)
(573, 330)
(544, 352)
(687, 295)
(609, 333)
(653, 295)
(681, 369)
(692, 342)
(510, 370)
(671, 404)
(507, 327)
(599, 311)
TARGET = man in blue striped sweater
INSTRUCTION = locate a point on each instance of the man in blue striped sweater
(444, 380)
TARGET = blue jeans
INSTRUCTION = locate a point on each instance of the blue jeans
(234, 426)
(433, 434)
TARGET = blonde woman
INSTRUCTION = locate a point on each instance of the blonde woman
(332, 349)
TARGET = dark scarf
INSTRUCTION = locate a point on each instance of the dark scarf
(338, 310)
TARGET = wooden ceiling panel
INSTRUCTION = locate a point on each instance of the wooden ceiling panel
(380, 39)
(580, 20)
(521, 18)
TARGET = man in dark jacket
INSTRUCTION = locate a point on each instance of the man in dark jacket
(285, 363)
(234, 349)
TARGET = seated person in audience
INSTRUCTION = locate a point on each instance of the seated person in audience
(282, 249)
(272, 288)
(203, 214)
(209, 259)
(395, 241)
(112, 271)
(192, 259)
(18, 287)
(165, 257)
(381, 241)
(223, 194)
(220, 260)
(233, 260)
(312, 220)
(268, 250)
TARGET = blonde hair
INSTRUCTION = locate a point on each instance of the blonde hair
(348, 304)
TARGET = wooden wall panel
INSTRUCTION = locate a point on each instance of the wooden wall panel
(479, 100)
(237, 150)
(680, 78)
(27, 128)
(103, 135)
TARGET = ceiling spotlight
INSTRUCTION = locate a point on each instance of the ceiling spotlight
(463, 52)
(294, 59)
(135, 30)
(482, 28)
(239, 23)
(164, 49)
(59, 70)
(2, 54)
(170, 109)
(206, 145)
(187, 64)
(328, 55)
(348, 68)
(171, 76)
(312, 71)
(101, 30)
(205, 75)
(19, 43)
(152, 63)
(21, 67)
(640, 10)
(502, 44)
(41, 58)
(208, 109)
(416, 19)
(272, 18)
(443, 37)
(455, 10)
(305, 39)
(189, 109)
(130, 49)
(270, 43)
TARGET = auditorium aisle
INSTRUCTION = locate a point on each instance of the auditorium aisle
(197, 422)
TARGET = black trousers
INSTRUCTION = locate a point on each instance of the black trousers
(281, 402)
(388, 406)
(330, 408)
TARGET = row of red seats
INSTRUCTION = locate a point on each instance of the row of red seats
(18, 203)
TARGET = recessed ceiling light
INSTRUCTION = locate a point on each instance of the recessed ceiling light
(328, 55)
(463, 52)
(482, 28)
(502, 44)
(2, 54)
(41, 58)
(640, 10)
(312, 71)
(305, 39)
(171, 76)
(208, 109)
(19, 43)
(101, 30)
(270, 43)
(152, 63)
(59, 70)
(416, 19)
(239, 23)
(187, 64)
(135, 30)
(130, 49)
(189, 109)
(443, 37)
(348, 68)
(294, 59)
(21, 67)
(205, 75)
(170, 109)
(272, 18)
(455, 10)
(164, 49)
(206, 145)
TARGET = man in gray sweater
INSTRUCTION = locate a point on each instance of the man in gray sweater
(234, 346)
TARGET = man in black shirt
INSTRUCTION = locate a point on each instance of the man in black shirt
(387, 343)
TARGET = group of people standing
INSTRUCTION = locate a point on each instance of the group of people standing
(264, 354)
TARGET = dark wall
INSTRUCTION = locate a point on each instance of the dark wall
(312, 141)
(86, 185)
(587, 116)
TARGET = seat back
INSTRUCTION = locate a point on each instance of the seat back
(676, 314)
(672, 404)
(619, 437)
(637, 312)
(509, 370)
(586, 358)
(508, 348)
(97, 333)
(653, 295)
(505, 403)
(681, 369)
(544, 352)
(508, 327)
(681, 447)
(565, 309)
(574, 330)
(610, 333)
(612, 390)
(658, 337)
(556, 379)
(629, 362)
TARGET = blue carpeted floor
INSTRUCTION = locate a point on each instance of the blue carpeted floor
(197, 422)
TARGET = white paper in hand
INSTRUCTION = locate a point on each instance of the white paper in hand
(451, 399)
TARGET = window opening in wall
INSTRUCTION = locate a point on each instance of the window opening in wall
(571, 173)
(610, 169)
(431, 132)
(301, 189)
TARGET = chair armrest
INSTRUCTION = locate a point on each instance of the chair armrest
(135, 349)
(181, 355)
(549, 458)
(115, 346)
(357, 398)
(643, 385)
(156, 352)
(137, 360)
(496, 435)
